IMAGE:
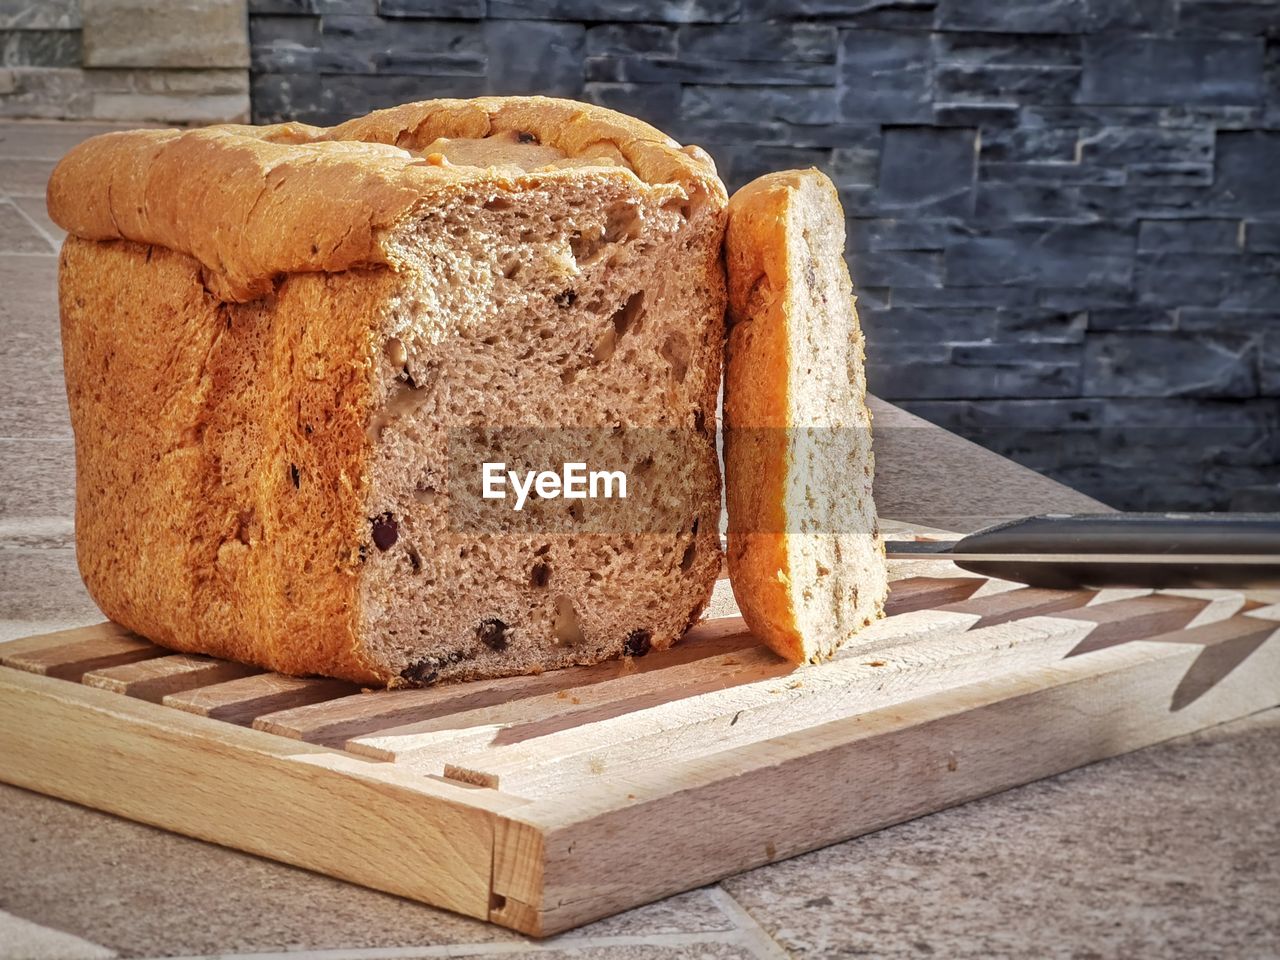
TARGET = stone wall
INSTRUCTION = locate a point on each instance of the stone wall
(174, 61)
(1064, 215)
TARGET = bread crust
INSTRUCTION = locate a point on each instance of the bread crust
(254, 203)
(762, 377)
(758, 373)
(220, 455)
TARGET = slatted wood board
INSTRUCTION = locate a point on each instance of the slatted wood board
(541, 803)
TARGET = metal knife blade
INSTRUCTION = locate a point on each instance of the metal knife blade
(1237, 551)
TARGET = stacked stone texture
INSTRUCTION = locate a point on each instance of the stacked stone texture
(133, 60)
(1064, 215)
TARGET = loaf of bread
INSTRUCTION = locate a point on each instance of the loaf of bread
(806, 559)
(289, 350)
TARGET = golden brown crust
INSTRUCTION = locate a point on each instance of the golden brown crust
(254, 203)
(757, 385)
(220, 454)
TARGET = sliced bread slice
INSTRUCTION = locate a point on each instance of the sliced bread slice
(806, 559)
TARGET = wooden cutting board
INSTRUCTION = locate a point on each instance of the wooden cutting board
(541, 803)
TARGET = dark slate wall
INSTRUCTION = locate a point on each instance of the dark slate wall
(1064, 215)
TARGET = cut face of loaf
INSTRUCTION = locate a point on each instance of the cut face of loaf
(553, 322)
(291, 477)
(805, 556)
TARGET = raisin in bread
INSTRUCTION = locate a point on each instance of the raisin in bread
(287, 350)
(805, 556)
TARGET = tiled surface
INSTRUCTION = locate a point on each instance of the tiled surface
(23, 177)
(170, 896)
(1170, 852)
(41, 583)
(33, 400)
(18, 234)
(28, 940)
(37, 213)
(1173, 851)
(46, 141)
(37, 479)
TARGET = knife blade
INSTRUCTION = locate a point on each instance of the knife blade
(1150, 550)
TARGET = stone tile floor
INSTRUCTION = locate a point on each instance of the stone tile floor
(1172, 852)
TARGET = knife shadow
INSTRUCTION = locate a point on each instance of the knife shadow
(1215, 662)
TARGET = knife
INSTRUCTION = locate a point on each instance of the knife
(1155, 550)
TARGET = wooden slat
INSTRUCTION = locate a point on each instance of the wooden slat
(324, 810)
(1019, 603)
(752, 805)
(1270, 611)
(946, 619)
(706, 635)
(243, 700)
(1219, 604)
(61, 638)
(924, 566)
(569, 708)
(336, 721)
(922, 593)
(910, 530)
(431, 743)
(156, 678)
(1125, 620)
(537, 761)
(935, 660)
(1116, 594)
(517, 877)
(1226, 644)
(70, 659)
